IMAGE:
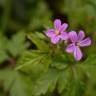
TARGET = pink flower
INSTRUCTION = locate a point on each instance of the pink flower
(58, 33)
(77, 42)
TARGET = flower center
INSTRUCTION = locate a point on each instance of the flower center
(77, 44)
(57, 32)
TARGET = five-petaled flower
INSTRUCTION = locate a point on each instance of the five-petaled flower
(58, 33)
(77, 41)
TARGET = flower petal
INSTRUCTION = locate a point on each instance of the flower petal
(81, 35)
(50, 32)
(70, 48)
(73, 36)
(57, 24)
(85, 42)
(63, 27)
(63, 36)
(77, 53)
(55, 39)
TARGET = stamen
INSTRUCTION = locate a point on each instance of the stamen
(77, 44)
(57, 32)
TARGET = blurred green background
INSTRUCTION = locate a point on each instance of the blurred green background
(20, 17)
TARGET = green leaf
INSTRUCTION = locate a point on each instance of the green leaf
(34, 61)
(59, 62)
(89, 67)
(70, 82)
(22, 86)
(63, 80)
(40, 35)
(3, 53)
(3, 56)
(16, 83)
(40, 44)
(17, 45)
(75, 88)
(46, 83)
